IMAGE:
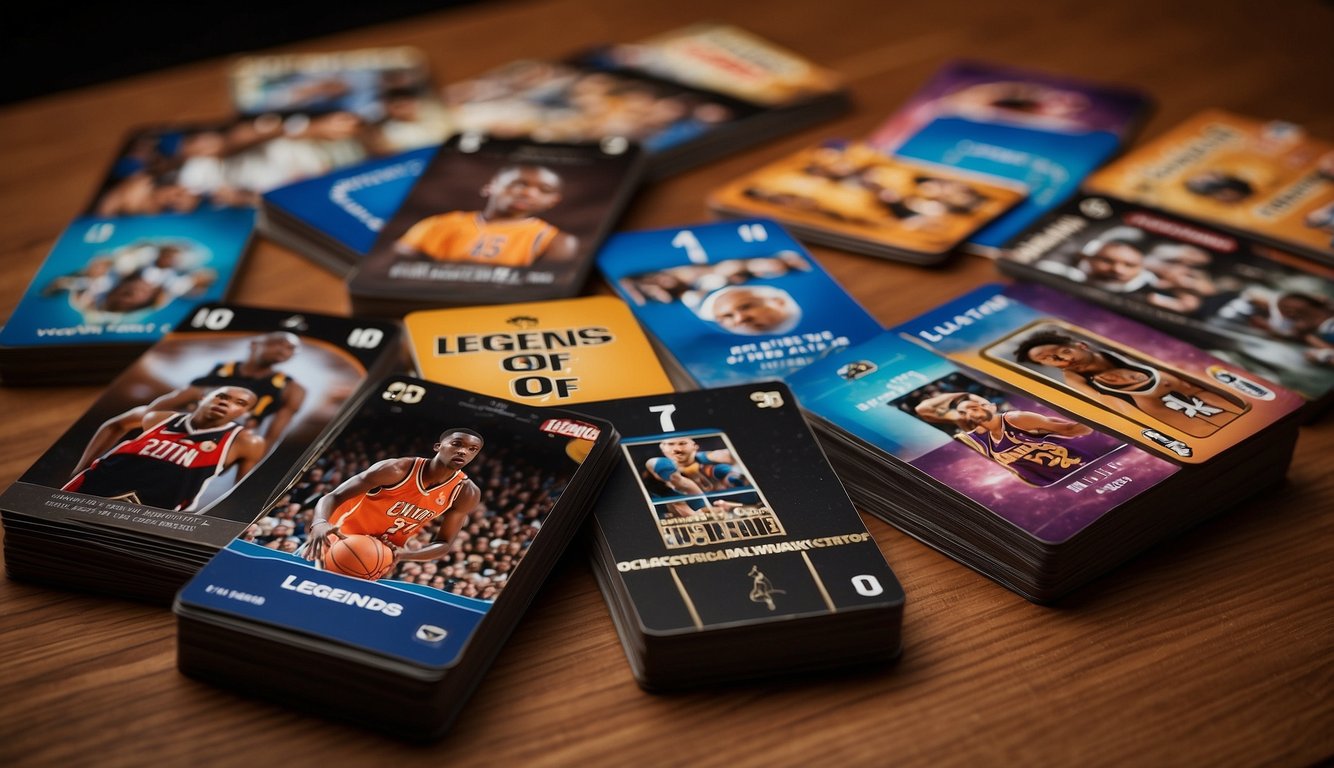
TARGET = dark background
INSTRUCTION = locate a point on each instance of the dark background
(54, 46)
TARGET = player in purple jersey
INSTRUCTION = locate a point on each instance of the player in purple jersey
(1039, 450)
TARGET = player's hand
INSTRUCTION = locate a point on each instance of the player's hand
(319, 540)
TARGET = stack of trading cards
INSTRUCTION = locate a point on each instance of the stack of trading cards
(1044, 131)
(155, 239)
(425, 527)
(188, 448)
(687, 96)
(494, 221)
(851, 196)
(334, 219)
(1041, 440)
(1267, 179)
(542, 353)
(385, 93)
(732, 302)
(726, 547)
(1255, 306)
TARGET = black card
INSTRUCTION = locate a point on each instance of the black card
(724, 511)
(493, 221)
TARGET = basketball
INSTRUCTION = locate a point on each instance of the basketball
(360, 556)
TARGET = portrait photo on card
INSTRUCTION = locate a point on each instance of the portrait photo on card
(184, 426)
(505, 214)
(1118, 379)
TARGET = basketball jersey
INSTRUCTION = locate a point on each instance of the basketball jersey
(466, 236)
(1036, 459)
(268, 389)
(165, 467)
(395, 513)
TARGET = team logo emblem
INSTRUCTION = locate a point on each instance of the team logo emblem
(208, 446)
(522, 321)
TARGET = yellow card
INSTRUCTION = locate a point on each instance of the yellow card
(540, 353)
(1268, 178)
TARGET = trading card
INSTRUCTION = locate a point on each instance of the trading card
(196, 437)
(130, 279)
(387, 88)
(1036, 468)
(1105, 369)
(1268, 178)
(733, 302)
(725, 511)
(551, 101)
(850, 195)
(350, 206)
(405, 531)
(542, 353)
(1261, 308)
(493, 221)
(724, 59)
(1044, 131)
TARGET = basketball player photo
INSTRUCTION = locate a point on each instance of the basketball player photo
(494, 221)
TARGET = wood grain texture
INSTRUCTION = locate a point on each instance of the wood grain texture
(1213, 649)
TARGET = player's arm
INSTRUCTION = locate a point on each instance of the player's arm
(1047, 425)
(451, 522)
(413, 242)
(246, 451)
(564, 247)
(110, 433)
(936, 408)
(669, 473)
(387, 472)
(294, 395)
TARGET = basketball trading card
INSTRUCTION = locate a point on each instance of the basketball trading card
(1107, 370)
(1264, 309)
(1025, 462)
(1269, 179)
(851, 196)
(406, 552)
(1044, 131)
(542, 353)
(389, 89)
(552, 101)
(732, 302)
(335, 218)
(728, 60)
(723, 514)
(194, 439)
(494, 221)
(125, 281)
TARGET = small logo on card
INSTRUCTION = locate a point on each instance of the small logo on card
(761, 589)
(429, 633)
(1240, 383)
(1170, 443)
(856, 369)
(571, 428)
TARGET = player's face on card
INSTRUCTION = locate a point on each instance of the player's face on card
(976, 411)
(130, 294)
(226, 404)
(524, 191)
(458, 448)
(1115, 263)
(1061, 356)
(276, 348)
(679, 449)
(745, 311)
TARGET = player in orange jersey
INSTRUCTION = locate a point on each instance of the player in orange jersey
(394, 498)
(506, 232)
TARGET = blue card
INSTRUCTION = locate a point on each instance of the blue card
(733, 302)
(350, 206)
(129, 279)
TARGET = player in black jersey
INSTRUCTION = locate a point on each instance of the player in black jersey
(278, 397)
(168, 464)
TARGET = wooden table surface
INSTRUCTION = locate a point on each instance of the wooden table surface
(1215, 648)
